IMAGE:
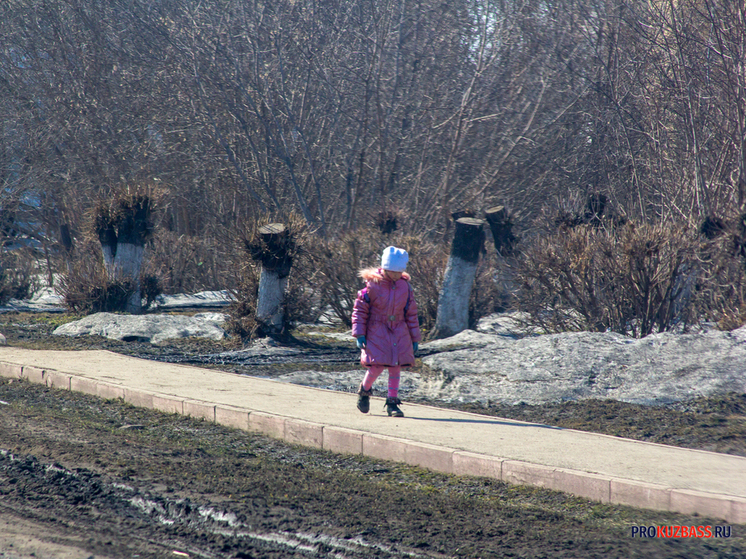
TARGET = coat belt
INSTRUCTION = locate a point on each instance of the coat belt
(386, 318)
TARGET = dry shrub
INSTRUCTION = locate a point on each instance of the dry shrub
(87, 288)
(17, 274)
(337, 263)
(187, 264)
(427, 266)
(721, 293)
(240, 314)
(631, 280)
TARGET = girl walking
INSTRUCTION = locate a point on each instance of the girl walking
(384, 321)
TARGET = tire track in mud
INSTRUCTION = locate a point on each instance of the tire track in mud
(49, 492)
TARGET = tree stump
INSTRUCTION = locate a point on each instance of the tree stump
(462, 213)
(502, 230)
(502, 235)
(122, 234)
(274, 252)
(453, 300)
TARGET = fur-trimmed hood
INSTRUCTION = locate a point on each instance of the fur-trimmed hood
(376, 275)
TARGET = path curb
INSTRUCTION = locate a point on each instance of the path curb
(591, 486)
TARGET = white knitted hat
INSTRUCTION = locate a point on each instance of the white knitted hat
(394, 259)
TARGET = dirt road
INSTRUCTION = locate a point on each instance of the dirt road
(83, 477)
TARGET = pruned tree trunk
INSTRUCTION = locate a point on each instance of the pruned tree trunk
(66, 239)
(502, 230)
(453, 300)
(122, 232)
(275, 255)
(127, 265)
(501, 226)
(269, 311)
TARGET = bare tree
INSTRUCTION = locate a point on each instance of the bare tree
(726, 47)
(338, 109)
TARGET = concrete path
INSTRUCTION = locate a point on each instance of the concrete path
(598, 467)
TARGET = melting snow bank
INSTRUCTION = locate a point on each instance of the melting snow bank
(658, 369)
(203, 299)
(500, 363)
(482, 367)
(152, 328)
(48, 299)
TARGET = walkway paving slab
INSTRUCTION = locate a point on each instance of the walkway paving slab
(599, 467)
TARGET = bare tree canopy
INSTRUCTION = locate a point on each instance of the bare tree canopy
(338, 110)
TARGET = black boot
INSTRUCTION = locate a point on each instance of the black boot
(363, 399)
(392, 407)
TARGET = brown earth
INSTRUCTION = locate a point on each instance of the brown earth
(82, 477)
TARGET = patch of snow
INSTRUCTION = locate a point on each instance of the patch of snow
(208, 299)
(32, 306)
(512, 325)
(336, 336)
(213, 317)
(154, 328)
(349, 381)
(262, 347)
(463, 340)
(561, 367)
(47, 296)
(482, 367)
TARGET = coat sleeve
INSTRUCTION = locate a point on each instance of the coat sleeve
(411, 318)
(360, 313)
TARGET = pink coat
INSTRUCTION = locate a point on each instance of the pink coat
(385, 312)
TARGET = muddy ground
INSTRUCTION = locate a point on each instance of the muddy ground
(82, 477)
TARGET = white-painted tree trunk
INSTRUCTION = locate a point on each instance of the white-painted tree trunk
(458, 280)
(269, 309)
(128, 261)
(127, 264)
(453, 300)
(274, 252)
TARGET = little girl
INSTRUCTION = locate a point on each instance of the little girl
(384, 321)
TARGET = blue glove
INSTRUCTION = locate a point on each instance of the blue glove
(415, 345)
(361, 342)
